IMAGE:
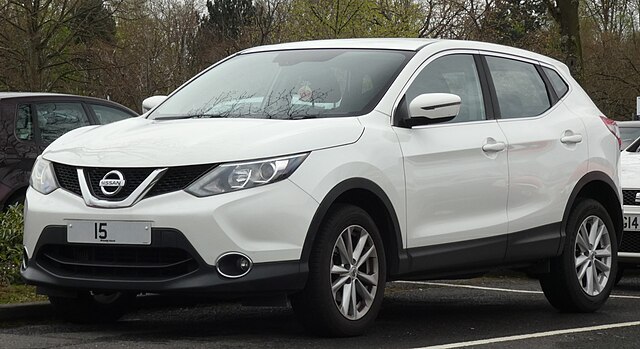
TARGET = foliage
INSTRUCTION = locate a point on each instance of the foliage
(331, 19)
(511, 21)
(127, 50)
(227, 19)
(11, 231)
(44, 44)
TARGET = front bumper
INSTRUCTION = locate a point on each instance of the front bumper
(268, 224)
(118, 268)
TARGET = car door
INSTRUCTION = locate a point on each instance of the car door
(19, 150)
(547, 154)
(456, 172)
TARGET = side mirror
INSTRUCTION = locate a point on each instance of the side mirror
(431, 108)
(152, 102)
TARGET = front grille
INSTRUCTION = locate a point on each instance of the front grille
(174, 179)
(67, 177)
(133, 178)
(630, 242)
(178, 178)
(629, 197)
(116, 262)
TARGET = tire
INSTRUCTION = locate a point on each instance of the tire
(92, 308)
(564, 287)
(318, 307)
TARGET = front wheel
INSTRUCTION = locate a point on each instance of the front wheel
(93, 307)
(347, 274)
(581, 278)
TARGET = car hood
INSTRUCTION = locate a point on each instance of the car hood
(630, 174)
(141, 142)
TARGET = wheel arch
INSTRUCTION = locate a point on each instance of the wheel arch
(369, 196)
(14, 195)
(600, 187)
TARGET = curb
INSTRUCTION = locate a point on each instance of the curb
(31, 311)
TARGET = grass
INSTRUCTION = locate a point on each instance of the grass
(12, 294)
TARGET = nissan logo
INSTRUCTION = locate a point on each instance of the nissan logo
(112, 183)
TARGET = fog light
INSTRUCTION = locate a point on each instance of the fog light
(243, 264)
(233, 265)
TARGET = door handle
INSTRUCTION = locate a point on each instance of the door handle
(494, 147)
(573, 139)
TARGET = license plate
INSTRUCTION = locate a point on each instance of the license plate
(109, 232)
(631, 222)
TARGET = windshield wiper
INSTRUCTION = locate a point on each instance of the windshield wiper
(192, 116)
(300, 117)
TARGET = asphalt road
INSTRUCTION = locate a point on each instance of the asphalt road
(499, 311)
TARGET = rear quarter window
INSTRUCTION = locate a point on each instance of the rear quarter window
(558, 84)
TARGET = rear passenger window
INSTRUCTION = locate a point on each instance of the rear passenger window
(24, 126)
(557, 82)
(519, 87)
(56, 119)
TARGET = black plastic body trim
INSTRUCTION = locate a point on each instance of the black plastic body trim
(344, 186)
(264, 278)
(457, 257)
(433, 107)
(485, 84)
(534, 244)
(583, 182)
(490, 87)
(551, 92)
(477, 256)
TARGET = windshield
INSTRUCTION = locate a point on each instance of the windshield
(293, 84)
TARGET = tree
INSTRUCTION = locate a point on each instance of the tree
(567, 15)
(510, 22)
(324, 19)
(42, 41)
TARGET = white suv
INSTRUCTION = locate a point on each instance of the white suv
(320, 170)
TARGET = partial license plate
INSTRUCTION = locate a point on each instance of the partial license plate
(109, 232)
(631, 222)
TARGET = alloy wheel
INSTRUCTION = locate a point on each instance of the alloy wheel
(354, 272)
(593, 255)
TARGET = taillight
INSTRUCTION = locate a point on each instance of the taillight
(613, 128)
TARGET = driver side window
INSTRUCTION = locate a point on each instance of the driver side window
(456, 74)
(56, 119)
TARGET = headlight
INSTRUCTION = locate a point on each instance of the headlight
(242, 175)
(42, 177)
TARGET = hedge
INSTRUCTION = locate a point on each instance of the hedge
(11, 230)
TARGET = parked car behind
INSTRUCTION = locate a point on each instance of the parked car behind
(629, 251)
(320, 170)
(30, 121)
(629, 131)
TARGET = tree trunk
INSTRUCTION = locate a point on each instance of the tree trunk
(565, 13)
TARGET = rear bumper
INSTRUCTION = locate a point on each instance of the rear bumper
(119, 268)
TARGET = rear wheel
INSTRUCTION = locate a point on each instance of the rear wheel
(93, 307)
(581, 278)
(347, 273)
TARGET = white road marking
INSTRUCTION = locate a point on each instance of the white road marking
(484, 288)
(468, 286)
(533, 335)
